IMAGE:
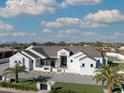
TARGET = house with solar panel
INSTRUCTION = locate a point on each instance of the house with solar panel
(82, 60)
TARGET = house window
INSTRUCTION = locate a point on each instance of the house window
(15, 61)
(19, 62)
(32, 61)
(71, 61)
(91, 65)
(83, 65)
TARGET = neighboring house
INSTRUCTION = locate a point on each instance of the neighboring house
(6, 52)
(121, 48)
(83, 60)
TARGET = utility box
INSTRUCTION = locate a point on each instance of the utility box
(45, 86)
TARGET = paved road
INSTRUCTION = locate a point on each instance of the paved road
(3, 67)
(56, 77)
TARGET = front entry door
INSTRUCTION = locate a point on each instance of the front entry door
(63, 61)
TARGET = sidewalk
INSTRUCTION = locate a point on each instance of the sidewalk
(9, 90)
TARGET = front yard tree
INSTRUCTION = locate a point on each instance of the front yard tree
(110, 75)
(14, 71)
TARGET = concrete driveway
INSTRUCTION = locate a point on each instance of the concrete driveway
(3, 67)
(53, 76)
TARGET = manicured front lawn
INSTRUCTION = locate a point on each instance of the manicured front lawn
(28, 82)
(121, 66)
(78, 88)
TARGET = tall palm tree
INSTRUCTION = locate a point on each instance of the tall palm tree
(14, 71)
(109, 75)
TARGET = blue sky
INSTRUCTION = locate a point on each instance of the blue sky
(61, 20)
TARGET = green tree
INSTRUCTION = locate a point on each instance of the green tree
(14, 71)
(109, 75)
(62, 43)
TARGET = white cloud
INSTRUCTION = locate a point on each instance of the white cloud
(47, 30)
(100, 19)
(118, 34)
(34, 34)
(68, 21)
(5, 26)
(80, 2)
(107, 16)
(68, 32)
(51, 24)
(61, 22)
(92, 25)
(33, 7)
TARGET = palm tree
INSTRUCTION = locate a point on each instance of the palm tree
(14, 71)
(109, 74)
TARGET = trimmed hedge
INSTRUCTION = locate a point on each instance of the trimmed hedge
(17, 86)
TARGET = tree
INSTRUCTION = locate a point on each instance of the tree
(110, 75)
(14, 71)
(49, 44)
(62, 43)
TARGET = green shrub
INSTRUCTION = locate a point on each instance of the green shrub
(17, 86)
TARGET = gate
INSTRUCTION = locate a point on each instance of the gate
(43, 86)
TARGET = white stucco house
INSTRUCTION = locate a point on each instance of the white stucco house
(83, 60)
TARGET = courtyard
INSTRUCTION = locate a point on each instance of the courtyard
(58, 77)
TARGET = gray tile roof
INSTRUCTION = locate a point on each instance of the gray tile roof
(25, 55)
(40, 50)
(32, 54)
(52, 50)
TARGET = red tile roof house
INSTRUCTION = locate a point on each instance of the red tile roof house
(82, 60)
